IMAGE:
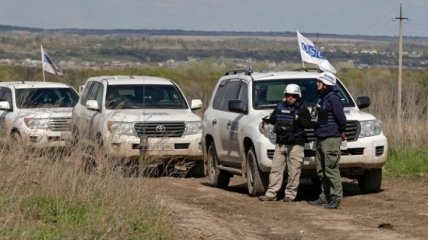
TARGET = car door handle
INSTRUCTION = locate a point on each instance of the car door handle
(214, 122)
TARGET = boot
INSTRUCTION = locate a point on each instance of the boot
(318, 202)
(267, 198)
(334, 203)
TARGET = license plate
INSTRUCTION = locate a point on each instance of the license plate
(65, 135)
(162, 147)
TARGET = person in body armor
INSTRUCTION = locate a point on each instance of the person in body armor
(290, 118)
(330, 122)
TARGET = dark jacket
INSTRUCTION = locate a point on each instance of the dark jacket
(331, 117)
(296, 118)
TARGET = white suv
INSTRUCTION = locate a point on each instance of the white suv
(127, 114)
(37, 114)
(235, 145)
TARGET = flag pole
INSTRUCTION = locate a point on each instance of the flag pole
(43, 66)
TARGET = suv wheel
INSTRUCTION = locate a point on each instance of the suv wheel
(257, 181)
(216, 177)
(370, 181)
(94, 157)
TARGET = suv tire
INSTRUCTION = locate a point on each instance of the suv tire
(257, 181)
(216, 177)
(370, 181)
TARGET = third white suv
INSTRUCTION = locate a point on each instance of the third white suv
(234, 145)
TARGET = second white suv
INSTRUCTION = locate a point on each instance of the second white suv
(127, 116)
(37, 114)
(235, 145)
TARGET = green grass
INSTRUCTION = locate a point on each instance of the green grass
(42, 217)
(410, 162)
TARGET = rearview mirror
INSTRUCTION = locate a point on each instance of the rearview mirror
(92, 105)
(4, 105)
(196, 104)
(363, 102)
(236, 106)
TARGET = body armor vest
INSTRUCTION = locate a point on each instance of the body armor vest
(286, 129)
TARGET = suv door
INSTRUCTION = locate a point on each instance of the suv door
(94, 91)
(228, 124)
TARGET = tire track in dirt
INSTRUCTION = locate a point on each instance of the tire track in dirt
(204, 212)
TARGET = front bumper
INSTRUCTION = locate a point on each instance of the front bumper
(365, 153)
(187, 147)
(45, 138)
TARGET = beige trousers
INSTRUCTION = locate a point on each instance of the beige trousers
(290, 156)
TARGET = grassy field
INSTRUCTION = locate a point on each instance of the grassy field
(50, 197)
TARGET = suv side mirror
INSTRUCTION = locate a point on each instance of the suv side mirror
(196, 104)
(92, 105)
(236, 106)
(363, 102)
(4, 105)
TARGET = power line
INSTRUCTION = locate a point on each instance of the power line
(400, 66)
(372, 26)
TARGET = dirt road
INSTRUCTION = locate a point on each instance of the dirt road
(399, 211)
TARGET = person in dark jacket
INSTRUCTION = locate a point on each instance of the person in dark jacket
(290, 118)
(329, 129)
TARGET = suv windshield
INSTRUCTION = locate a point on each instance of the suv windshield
(45, 97)
(267, 94)
(144, 96)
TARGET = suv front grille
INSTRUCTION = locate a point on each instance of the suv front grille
(352, 131)
(160, 129)
(59, 124)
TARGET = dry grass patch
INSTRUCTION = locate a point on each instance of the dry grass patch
(50, 197)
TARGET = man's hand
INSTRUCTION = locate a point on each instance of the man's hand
(343, 136)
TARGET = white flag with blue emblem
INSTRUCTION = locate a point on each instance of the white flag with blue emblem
(48, 65)
(311, 54)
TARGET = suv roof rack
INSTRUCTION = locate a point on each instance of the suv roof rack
(236, 71)
(308, 70)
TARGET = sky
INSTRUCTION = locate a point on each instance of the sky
(360, 17)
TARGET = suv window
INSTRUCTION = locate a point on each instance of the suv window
(144, 96)
(219, 94)
(45, 97)
(6, 95)
(231, 92)
(267, 94)
(84, 97)
(243, 95)
(93, 92)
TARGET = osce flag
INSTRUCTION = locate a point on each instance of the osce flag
(48, 65)
(311, 54)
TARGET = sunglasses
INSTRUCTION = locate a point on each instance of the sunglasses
(291, 95)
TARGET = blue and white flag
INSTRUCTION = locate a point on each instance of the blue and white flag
(311, 54)
(48, 65)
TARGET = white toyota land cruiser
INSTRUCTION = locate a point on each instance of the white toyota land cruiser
(127, 116)
(37, 114)
(234, 144)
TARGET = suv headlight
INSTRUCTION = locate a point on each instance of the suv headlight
(193, 127)
(36, 123)
(370, 128)
(267, 130)
(121, 128)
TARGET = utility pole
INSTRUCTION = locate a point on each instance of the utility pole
(400, 66)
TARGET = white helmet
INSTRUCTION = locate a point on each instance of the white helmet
(327, 78)
(293, 89)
